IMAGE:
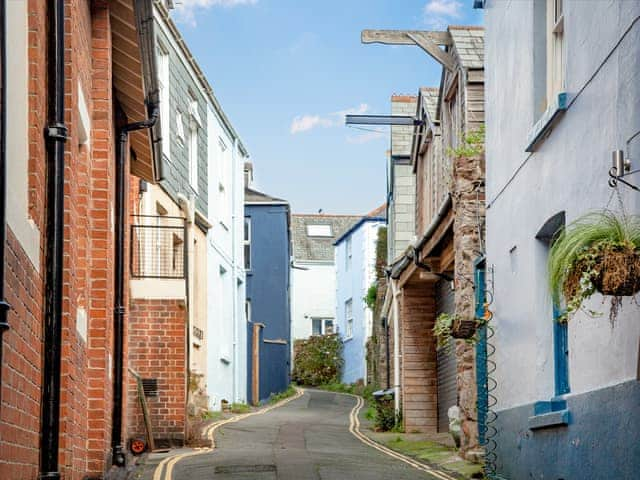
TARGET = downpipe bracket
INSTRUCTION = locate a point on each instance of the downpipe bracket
(57, 131)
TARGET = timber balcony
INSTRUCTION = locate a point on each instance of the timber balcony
(158, 247)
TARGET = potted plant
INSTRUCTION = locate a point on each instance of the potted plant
(599, 251)
(454, 326)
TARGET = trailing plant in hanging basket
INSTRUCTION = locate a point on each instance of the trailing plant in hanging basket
(454, 326)
(599, 251)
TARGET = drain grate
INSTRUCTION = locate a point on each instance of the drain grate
(245, 468)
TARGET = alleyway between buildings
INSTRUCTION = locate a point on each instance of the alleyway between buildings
(313, 437)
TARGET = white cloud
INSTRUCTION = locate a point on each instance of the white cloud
(186, 9)
(439, 13)
(303, 123)
(365, 137)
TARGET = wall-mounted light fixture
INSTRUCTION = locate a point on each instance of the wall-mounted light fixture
(621, 167)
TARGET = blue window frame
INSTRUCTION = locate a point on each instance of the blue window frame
(561, 353)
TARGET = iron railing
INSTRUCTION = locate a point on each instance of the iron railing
(158, 247)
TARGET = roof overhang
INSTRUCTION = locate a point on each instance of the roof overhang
(135, 80)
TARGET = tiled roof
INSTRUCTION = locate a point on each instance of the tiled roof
(306, 248)
(468, 42)
(430, 101)
(254, 196)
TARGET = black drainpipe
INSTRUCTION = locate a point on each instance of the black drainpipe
(56, 135)
(4, 306)
(119, 308)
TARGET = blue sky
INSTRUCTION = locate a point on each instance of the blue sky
(286, 71)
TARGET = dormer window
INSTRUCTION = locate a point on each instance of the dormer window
(319, 231)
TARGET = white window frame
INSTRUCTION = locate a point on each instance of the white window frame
(555, 50)
(348, 314)
(316, 230)
(323, 325)
(162, 56)
(246, 242)
(179, 127)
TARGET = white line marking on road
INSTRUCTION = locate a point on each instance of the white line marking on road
(162, 473)
(354, 428)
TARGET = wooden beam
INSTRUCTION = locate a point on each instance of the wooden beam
(443, 58)
(399, 37)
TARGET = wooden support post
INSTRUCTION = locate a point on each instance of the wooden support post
(255, 357)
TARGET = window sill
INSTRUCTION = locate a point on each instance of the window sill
(347, 339)
(543, 126)
(553, 413)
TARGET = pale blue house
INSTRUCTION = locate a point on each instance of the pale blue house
(355, 253)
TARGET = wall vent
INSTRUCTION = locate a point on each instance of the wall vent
(150, 387)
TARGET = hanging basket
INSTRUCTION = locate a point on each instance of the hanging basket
(616, 272)
(463, 328)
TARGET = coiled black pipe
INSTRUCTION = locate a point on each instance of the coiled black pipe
(56, 135)
(117, 447)
(4, 306)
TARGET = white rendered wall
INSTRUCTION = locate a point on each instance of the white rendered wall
(313, 294)
(567, 172)
(226, 324)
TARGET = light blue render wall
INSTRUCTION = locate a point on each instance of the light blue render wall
(353, 284)
(567, 172)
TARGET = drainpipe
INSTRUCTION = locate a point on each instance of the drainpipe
(234, 285)
(396, 344)
(118, 452)
(56, 135)
(4, 306)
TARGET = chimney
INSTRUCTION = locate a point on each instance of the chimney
(248, 174)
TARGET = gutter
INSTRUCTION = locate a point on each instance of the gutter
(118, 451)
(4, 306)
(56, 136)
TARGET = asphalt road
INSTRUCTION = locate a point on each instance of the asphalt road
(306, 439)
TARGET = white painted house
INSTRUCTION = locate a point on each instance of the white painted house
(562, 93)
(313, 276)
(226, 356)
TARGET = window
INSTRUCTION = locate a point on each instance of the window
(247, 310)
(322, 326)
(192, 142)
(319, 231)
(348, 254)
(546, 236)
(348, 313)
(179, 128)
(163, 87)
(247, 243)
(224, 165)
(555, 49)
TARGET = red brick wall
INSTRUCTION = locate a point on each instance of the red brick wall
(157, 350)
(418, 369)
(86, 403)
(21, 366)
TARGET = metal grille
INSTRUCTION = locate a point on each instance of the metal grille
(158, 247)
(150, 387)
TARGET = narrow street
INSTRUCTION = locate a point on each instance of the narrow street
(308, 438)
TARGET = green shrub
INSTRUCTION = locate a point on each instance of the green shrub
(386, 419)
(318, 360)
(372, 295)
(240, 408)
(276, 397)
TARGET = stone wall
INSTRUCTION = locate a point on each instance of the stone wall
(468, 207)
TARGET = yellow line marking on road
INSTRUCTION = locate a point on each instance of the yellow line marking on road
(164, 470)
(354, 428)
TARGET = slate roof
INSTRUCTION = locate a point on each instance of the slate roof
(318, 249)
(430, 97)
(468, 42)
(254, 196)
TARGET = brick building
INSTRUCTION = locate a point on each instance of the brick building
(69, 157)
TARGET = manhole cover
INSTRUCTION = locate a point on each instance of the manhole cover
(245, 468)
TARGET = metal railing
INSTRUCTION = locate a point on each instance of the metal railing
(158, 247)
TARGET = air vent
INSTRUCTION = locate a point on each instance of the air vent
(150, 387)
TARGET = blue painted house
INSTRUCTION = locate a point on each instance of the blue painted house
(355, 253)
(267, 251)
